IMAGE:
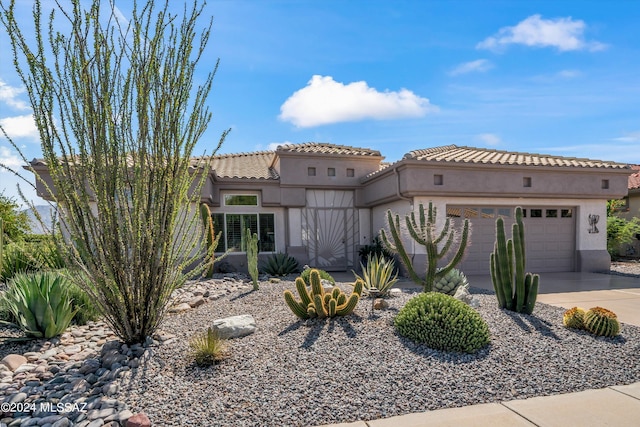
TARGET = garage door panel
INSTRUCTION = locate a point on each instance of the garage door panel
(549, 237)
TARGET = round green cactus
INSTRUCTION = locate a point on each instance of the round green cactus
(442, 323)
(450, 282)
(574, 318)
(602, 322)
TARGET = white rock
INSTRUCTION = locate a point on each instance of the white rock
(236, 326)
(462, 294)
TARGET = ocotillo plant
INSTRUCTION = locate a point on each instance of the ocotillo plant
(437, 243)
(212, 241)
(252, 257)
(1, 246)
(515, 290)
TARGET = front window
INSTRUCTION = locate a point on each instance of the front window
(234, 227)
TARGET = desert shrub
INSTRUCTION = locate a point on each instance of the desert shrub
(620, 232)
(377, 273)
(573, 318)
(602, 322)
(306, 273)
(443, 323)
(39, 303)
(208, 348)
(17, 259)
(280, 264)
(85, 309)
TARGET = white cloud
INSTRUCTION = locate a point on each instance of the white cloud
(9, 159)
(629, 137)
(562, 33)
(324, 101)
(480, 65)
(20, 127)
(9, 95)
(490, 139)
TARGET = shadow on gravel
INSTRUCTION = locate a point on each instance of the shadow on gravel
(242, 295)
(530, 323)
(455, 358)
(316, 326)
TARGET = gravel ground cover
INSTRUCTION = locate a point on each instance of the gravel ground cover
(306, 373)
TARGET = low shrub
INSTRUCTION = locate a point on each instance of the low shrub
(39, 303)
(280, 264)
(573, 318)
(208, 348)
(323, 276)
(377, 274)
(602, 322)
(85, 310)
(443, 323)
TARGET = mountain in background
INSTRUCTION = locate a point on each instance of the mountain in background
(46, 215)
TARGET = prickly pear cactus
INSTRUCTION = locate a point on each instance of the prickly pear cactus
(450, 282)
(315, 302)
(574, 318)
(602, 322)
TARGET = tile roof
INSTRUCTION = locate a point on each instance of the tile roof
(326, 148)
(453, 153)
(256, 165)
(634, 178)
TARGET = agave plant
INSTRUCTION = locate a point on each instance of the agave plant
(450, 282)
(39, 303)
(377, 274)
(280, 264)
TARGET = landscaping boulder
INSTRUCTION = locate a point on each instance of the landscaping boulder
(14, 361)
(380, 304)
(462, 294)
(138, 420)
(235, 327)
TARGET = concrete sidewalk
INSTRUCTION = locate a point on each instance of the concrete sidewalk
(617, 406)
(612, 406)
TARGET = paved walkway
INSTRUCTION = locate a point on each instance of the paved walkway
(617, 406)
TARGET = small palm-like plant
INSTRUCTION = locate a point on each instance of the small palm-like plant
(39, 303)
(377, 274)
(208, 348)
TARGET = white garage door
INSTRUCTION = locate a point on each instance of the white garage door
(549, 236)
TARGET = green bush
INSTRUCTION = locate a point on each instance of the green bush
(17, 258)
(208, 348)
(39, 303)
(377, 273)
(323, 276)
(85, 310)
(620, 232)
(280, 264)
(442, 323)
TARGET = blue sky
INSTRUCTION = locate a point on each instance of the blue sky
(557, 77)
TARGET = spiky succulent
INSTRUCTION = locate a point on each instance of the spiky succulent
(602, 322)
(208, 348)
(443, 323)
(450, 282)
(280, 264)
(574, 318)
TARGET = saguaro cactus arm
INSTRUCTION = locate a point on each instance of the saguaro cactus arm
(398, 246)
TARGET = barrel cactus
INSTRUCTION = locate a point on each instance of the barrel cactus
(442, 323)
(316, 302)
(574, 318)
(602, 322)
(450, 282)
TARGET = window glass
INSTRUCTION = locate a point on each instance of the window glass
(471, 213)
(351, 172)
(488, 213)
(566, 213)
(504, 212)
(552, 213)
(234, 229)
(536, 213)
(241, 200)
(454, 212)
(267, 233)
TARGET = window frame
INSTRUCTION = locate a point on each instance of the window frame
(223, 245)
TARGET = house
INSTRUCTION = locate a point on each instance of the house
(631, 209)
(320, 202)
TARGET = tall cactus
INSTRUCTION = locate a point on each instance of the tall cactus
(515, 290)
(437, 243)
(315, 302)
(252, 257)
(212, 241)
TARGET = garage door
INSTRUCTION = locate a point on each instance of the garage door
(549, 236)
